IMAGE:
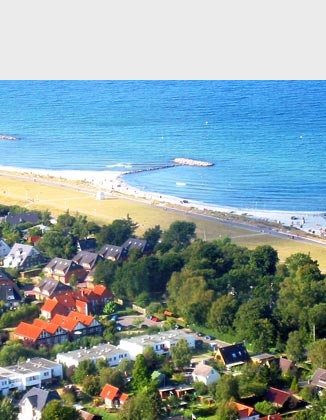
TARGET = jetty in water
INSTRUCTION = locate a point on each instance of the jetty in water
(176, 162)
(5, 137)
(192, 162)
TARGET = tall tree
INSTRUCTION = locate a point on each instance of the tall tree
(181, 353)
(180, 234)
(140, 373)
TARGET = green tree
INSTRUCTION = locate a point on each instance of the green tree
(84, 368)
(91, 385)
(117, 232)
(181, 353)
(113, 376)
(265, 408)
(110, 308)
(226, 411)
(296, 346)
(227, 388)
(264, 259)
(141, 374)
(55, 244)
(222, 313)
(8, 411)
(146, 404)
(179, 234)
(317, 354)
(54, 410)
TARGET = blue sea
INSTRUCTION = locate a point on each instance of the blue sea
(267, 139)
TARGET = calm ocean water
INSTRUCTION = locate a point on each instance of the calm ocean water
(266, 138)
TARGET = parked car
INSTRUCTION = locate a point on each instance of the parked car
(199, 334)
(209, 337)
(114, 318)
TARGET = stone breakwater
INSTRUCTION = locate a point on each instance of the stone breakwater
(5, 137)
(192, 162)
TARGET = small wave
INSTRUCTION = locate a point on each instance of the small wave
(120, 165)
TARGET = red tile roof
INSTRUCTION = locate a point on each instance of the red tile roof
(28, 331)
(65, 322)
(244, 411)
(109, 391)
(45, 325)
(277, 396)
(84, 319)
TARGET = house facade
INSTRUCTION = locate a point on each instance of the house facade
(22, 256)
(63, 270)
(112, 396)
(34, 401)
(112, 354)
(161, 343)
(34, 372)
(205, 373)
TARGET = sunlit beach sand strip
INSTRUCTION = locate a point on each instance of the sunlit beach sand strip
(110, 182)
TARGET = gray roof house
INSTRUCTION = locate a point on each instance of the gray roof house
(4, 248)
(113, 252)
(33, 402)
(16, 219)
(23, 256)
(9, 292)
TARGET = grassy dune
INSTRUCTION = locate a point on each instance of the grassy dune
(61, 195)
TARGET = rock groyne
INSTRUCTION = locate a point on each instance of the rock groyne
(192, 162)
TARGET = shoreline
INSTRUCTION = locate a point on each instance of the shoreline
(108, 181)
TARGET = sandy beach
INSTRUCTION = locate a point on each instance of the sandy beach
(108, 182)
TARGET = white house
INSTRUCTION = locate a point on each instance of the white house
(33, 372)
(22, 256)
(33, 402)
(160, 343)
(205, 373)
(112, 354)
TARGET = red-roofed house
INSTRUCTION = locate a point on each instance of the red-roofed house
(40, 333)
(57, 334)
(112, 396)
(74, 327)
(244, 411)
(281, 399)
(30, 334)
(61, 304)
(92, 325)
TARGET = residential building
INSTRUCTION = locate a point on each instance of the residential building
(23, 256)
(161, 343)
(87, 259)
(205, 373)
(49, 288)
(112, 354)
(9, 292)
(318, 379)
(281, 399)
(141, 245)
(40, 333)
(19, 218)
(63, 270)
(245, 412)
(34, 401)
(113, 252)
(34, 372)
(112, 396)
(4, 248)
(232, 355)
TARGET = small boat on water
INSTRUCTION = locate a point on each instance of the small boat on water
(180, 184)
